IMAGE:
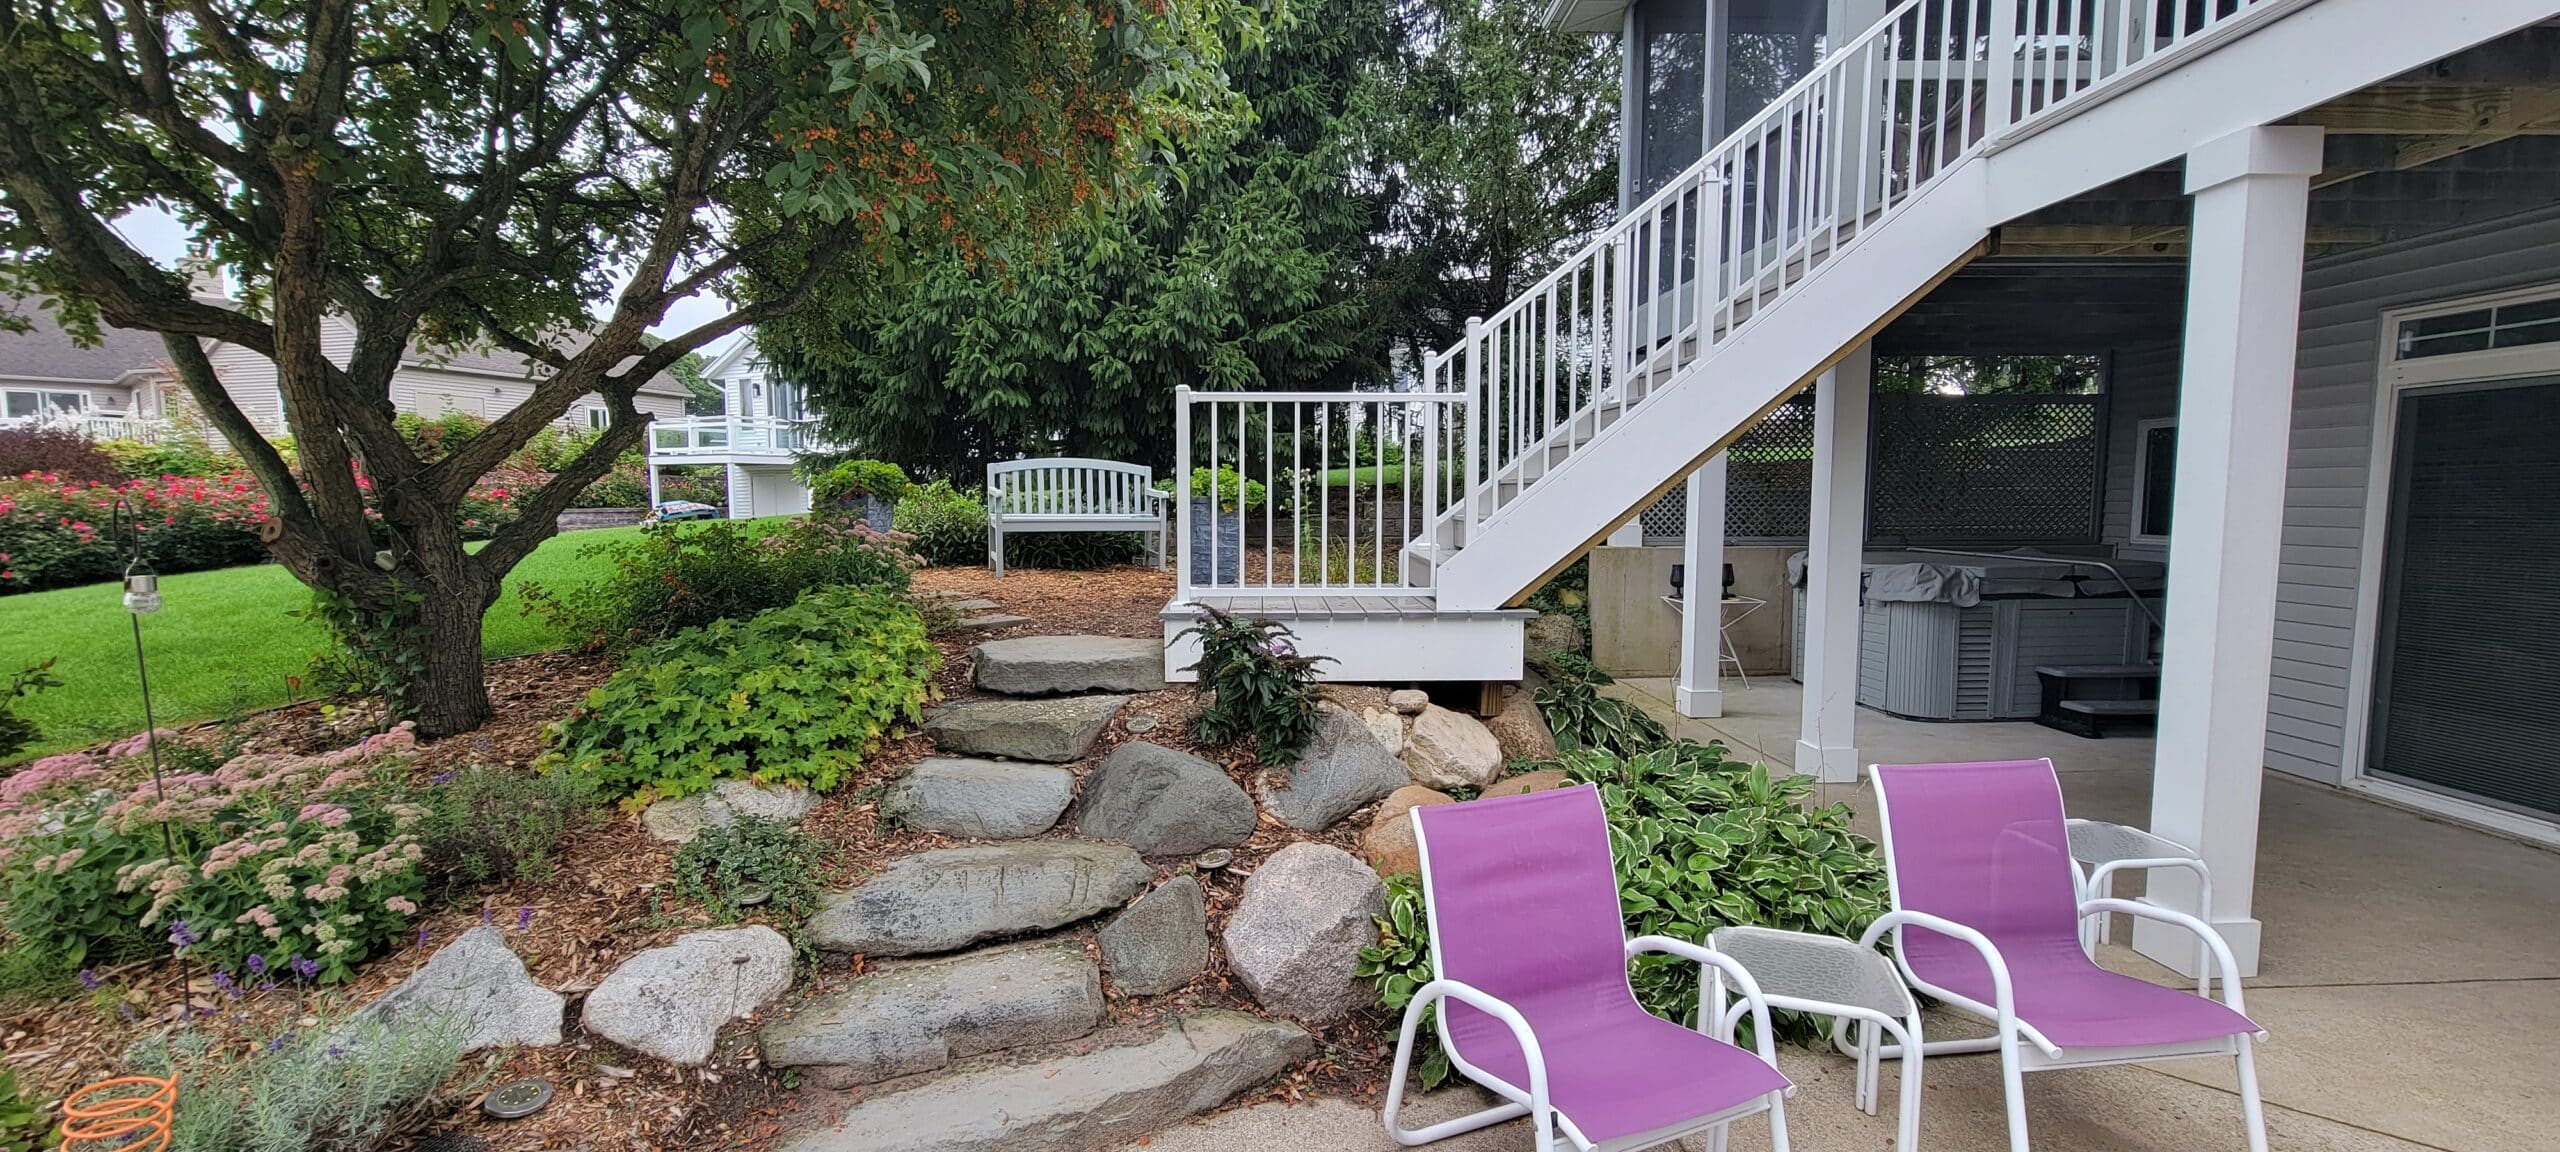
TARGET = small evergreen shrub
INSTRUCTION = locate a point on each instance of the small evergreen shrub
(726, 864)
(1258, 683)
(798, 695)
(678, 576)
(857, 478)
(1231, 487)
(179, 454)
(947, 526)
(488, 824)
(350, 1085)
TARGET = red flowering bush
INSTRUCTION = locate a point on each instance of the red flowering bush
(56, 532)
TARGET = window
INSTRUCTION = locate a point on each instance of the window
(2515, 325)
(597, 418)
(2155, 478)
(17, 404)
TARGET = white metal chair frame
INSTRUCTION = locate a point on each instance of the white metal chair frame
(2038, 1054)
(1531, 1101)
(1097, 495)
(2099, 850)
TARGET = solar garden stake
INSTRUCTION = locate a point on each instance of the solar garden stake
(142, 598)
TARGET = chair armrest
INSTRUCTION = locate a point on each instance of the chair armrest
(1763, 1036)
(2004, 999)
(2214, 944)
(1490, 1005)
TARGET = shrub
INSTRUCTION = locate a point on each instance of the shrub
(55, 452)
(798, 695)
(1581, 717)
(175, 455)
(55, 533)
(949, 526)
(674, 577)
(1073, 551)
(347, 1086)
(1228, 484)
(878, 479)
(486, 824)
(301, 862)
(726, 863)
(431, 437)
(17, 731)
(1259, 684)
(1701, 842)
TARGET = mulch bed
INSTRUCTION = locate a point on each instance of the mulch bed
(612, 894)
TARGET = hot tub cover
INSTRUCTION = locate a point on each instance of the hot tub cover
(1964, 581)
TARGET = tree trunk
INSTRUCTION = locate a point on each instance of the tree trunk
(450, 694)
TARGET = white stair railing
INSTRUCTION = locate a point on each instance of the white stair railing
(1935, 82)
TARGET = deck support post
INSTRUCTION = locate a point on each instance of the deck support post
(1702, 621)
(1827, 743)
(2235, 400)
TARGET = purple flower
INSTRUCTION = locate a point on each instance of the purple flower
(424, 936)
(257, 964)
(223, 981)
(268, 986)
(88, 980)
(524, 918)
(304, 967)
(277, 1044)
(180, 935)
(445, 777)
(487, 915)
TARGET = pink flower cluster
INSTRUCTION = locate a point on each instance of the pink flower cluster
(66, 768)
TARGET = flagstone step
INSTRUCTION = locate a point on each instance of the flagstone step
(1053, 730)
(951, 898)
(908, 1018)
(1056, 665)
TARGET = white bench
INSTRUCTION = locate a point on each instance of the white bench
(1072, 495)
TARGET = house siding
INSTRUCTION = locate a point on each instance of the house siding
(2142, 384)
(2335, 385)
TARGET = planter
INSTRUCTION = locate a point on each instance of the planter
(871, 510)
(1228, 525)
(580, 519)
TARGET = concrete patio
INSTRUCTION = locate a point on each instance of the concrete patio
(2410, 983)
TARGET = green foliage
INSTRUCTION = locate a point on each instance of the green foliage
(488, 824)
(1569, 592)
(377, 644)
(1399, 965)
(180, 453)
(351, 1084)
(1581, 717)
(949, 526)
(1258, 683)
(726, 864)
(877, 479)
(1242, 273)
(797, 695)
(677, 576)
(17, 731)
(1073, 550)
(22, 1126)
(1229, 488)
(1703, 841)
(60, 454)
(59, 534)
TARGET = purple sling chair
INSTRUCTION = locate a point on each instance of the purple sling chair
(1529, 964)
(1986, 918)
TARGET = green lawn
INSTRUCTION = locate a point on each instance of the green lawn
(226, 642)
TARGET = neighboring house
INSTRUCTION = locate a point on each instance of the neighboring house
(763, 429)
(126, 387)
(2254, 304)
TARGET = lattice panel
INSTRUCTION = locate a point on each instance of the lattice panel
(1768, 484)
(1973, 469)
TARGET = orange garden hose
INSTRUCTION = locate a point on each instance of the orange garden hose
(107, 1115)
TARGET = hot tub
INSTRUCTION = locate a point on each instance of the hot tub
(1946, 637)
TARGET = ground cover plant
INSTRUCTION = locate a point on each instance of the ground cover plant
(350, 1084)
(796, 695)
(485, 824)
(765, 864)
(677, 576)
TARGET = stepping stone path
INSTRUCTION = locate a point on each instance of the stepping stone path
(478, 980)
(918, 1017)
(992, 621)
(670, 1002)
(1079, 1102)
(1296, 936)
(1056, 665)
(984, 799)
(1055, 731)
(1344, 769)
(954, 897)
(679, 820)
(1163, 803)
(968, 605)
(1159, 943)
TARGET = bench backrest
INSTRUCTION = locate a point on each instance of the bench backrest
(1070, 487)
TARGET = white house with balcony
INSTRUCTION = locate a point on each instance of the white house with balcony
(2220, 336)
(762, 430)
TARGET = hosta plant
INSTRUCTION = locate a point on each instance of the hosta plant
(1399, 965)
(1259, 685)
(1581, 717)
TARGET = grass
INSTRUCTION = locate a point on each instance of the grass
(227, 642)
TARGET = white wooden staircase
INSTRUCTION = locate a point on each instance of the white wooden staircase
(1721, 296)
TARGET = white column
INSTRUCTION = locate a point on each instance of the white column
(2244, 303)
(1827, 745)
(1702, 625)
(654, 498)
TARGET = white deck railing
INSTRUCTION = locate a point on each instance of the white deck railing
(100, 426)
(733, 436)
(1830, 161)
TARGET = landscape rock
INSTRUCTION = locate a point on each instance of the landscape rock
(1409, 701)
(954, 897)
(1058, 665)
(1451, 750)
(1389, 845)
(1520, 729)
(1296, 935)
(1080, 1102)
(1554, 632)
(1163, 802)
(680, 820)
(1542, 780)
(1055, 731)
(1387, 726)
(911, 1018)
(477, 979)
(1343, 770)
(670, 1002)
(985, 799)
(1159, 943)
(971, 604)
(990, 622)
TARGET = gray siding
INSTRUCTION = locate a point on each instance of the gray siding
(2142, 384)
(2333, 410)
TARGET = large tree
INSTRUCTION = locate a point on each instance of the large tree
(1243, 272)
(493, 173)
